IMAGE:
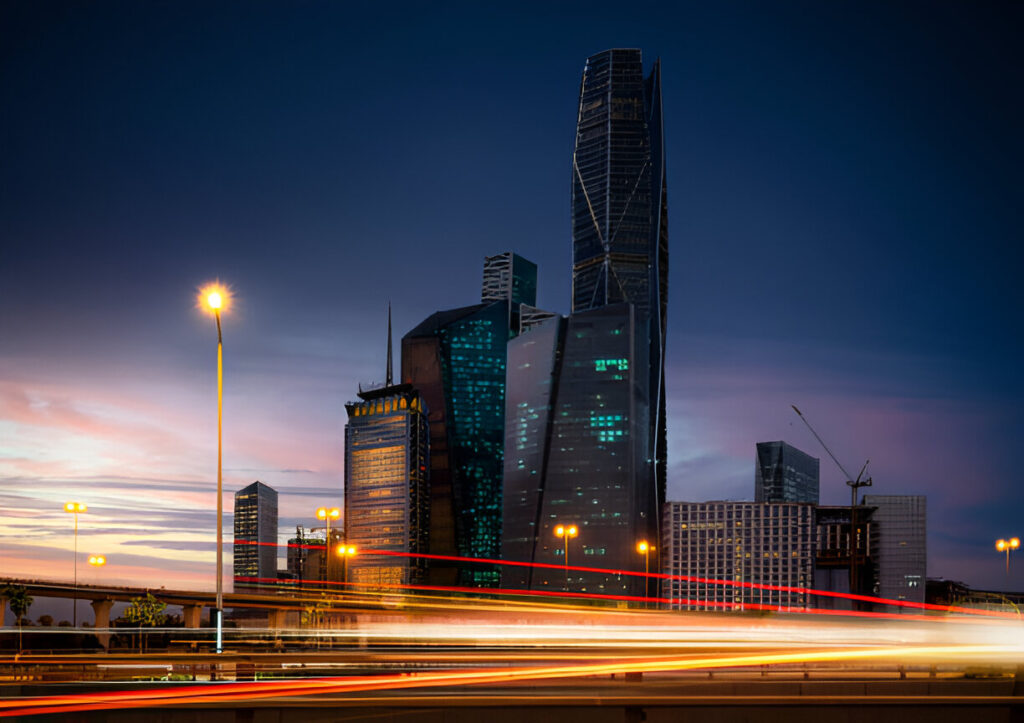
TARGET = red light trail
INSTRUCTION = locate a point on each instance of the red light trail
(657, 575)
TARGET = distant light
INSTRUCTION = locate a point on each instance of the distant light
(97, 560)
(324, 513)
(214, 300)
(75, 507)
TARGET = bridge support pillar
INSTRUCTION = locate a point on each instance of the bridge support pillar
(192, 615)
(277, 619)
(101, 619)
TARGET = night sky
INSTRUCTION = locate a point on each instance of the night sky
(845, 194)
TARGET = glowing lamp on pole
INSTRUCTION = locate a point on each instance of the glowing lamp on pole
(326, 514)
(75, 508)
(215, 299)
(566, 532)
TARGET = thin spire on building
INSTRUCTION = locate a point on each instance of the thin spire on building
(388, 381)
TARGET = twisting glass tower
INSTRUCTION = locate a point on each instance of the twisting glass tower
(620, 209)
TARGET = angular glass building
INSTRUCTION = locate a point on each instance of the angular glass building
(785, 474)
(577, 453)
(903, 545)
(620, 209)
(456, 359)
(387, 485)
(255, 546)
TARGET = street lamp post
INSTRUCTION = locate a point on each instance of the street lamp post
(566, 532)
(345, 552)
(1008, 546)
(215, 299)
(75, 508)
(645, 548)
(326, 514)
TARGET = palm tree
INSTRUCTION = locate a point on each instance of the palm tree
(20, 601)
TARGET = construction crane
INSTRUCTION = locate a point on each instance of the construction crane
(854, 485)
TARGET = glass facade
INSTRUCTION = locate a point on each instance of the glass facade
(902, 545)
(255, 541)
(577, 452)
(785, 474)
(386, 485)
(511, 278)
(457, 360)
(620, 210)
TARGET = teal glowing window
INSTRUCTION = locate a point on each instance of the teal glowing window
(603, 365)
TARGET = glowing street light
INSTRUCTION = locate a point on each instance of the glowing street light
(214, 299)
(1007, 546)
(645, 548)
(345, 552)
(75, 508)
(97, 560)
(566, 532)
(326, 514)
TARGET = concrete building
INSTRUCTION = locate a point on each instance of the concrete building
(707, 546)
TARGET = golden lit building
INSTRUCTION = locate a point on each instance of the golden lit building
(387, 493)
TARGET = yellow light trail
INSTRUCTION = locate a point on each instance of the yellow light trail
(274, 689)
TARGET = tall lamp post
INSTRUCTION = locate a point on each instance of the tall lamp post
(1008, 546)
(75, 508)
(326, 514)
(345, 552)
(645, 548)
(566, 532)
(215, 299)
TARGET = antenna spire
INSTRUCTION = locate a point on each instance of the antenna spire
(388, 378)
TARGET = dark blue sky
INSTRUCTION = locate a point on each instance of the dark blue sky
(845, 197)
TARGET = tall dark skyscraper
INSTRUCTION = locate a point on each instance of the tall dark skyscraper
(785, 474)
(576, 453)
(620, 209)
(255, 548)
(456, 359)
(585, 416)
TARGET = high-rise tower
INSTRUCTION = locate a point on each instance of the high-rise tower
(456, 359)
(620, 209)
(785, 474)
(387, 482)
(255, 548)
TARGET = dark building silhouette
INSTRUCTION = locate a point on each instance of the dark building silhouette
(836, 550)
(577, 452)
(585, 424)
(620, 210)
(255, 542)
(785, 474)
(456, 359)
(387, 484)
(902, 545)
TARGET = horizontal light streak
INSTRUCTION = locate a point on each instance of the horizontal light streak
(229, 692)
(666, 576)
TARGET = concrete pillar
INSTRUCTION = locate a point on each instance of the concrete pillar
(276, 619)
(101, 619)
(193, 614)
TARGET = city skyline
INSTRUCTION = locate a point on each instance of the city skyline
(843, 239)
